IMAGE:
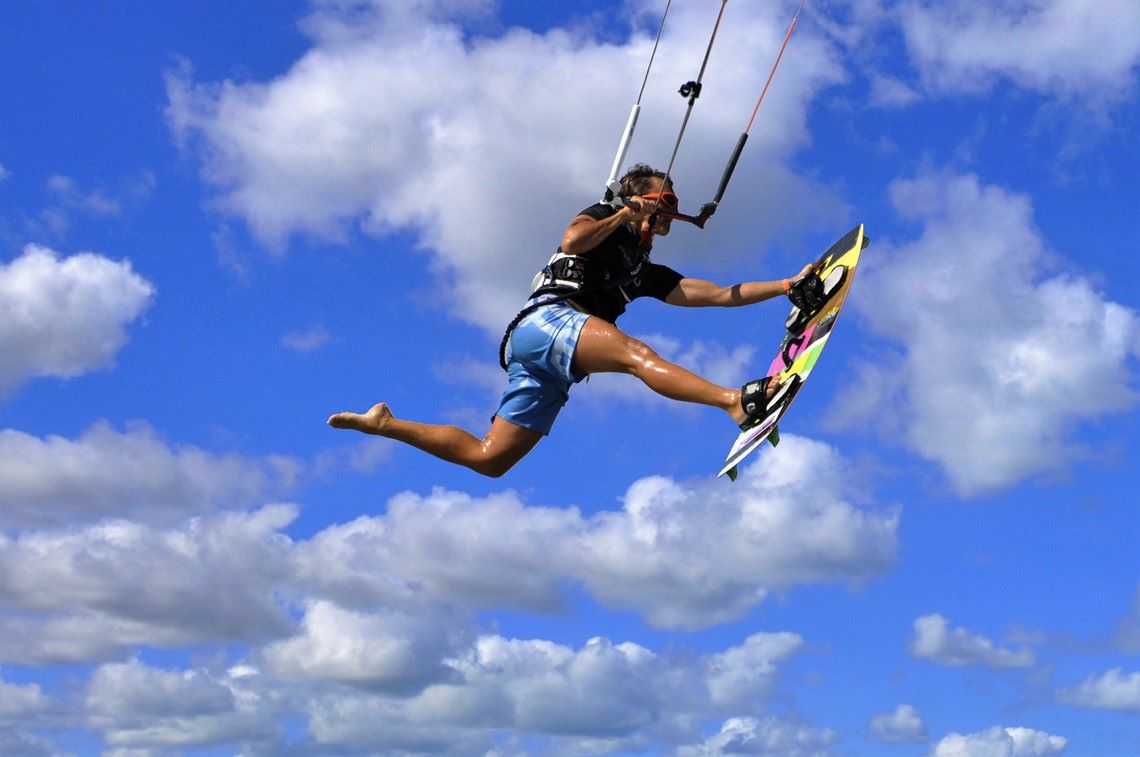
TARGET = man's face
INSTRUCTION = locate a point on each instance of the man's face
(663, 223)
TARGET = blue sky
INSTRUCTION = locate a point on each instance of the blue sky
(220, 223)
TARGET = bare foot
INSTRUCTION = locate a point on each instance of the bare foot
(375, 421)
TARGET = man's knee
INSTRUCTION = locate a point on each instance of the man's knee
(640, 356)
(499, 455)
(495, 466)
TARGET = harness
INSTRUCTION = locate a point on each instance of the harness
(565, 276)
(562, 273)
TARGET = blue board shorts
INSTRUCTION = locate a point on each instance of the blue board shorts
(538, 366)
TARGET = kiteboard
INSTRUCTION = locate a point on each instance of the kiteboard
(805, 337)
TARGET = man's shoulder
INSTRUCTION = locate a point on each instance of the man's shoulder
(598, 211)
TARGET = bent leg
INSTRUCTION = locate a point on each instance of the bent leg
(493, 455)
(604, 348)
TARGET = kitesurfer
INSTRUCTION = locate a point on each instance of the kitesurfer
(569, 331)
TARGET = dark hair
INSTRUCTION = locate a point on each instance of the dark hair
(639, 179)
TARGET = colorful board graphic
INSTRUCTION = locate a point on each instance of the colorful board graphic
(802, 345)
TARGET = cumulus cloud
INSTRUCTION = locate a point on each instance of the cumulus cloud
(695, 553)
(25, 711)
(683, 554)
(1114, 690)
(934, 640)
(373, 725)
(603, 689)
(92, 593)
(138, 706)
(64, 317)
(1086, 48)
(604, 697)
(387, 649)
(449, 545)
(482, 180)
(902, 726)
(979, 353)
(770, 736)
(19, 701)
(104, 473)
(385, 656)
(1001, 742)
(745, 674)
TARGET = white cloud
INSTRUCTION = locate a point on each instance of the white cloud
(770, 736)
(21, 703)
(387, 649)
(987, 383)
(92, 593)
(745, 674)
(888, 92)
(934, 640)
(64, 317)
(1000, 742)
(602, 689)
(683, 554)
(53, 481)
(306, 340)
(604, 697)
(902, 726)
(26, 712)
(448, 545)
(384, 658)
(1113, 690)
(1086, 48)
(96, 202)
(699, 552)
(494, 143)
(374, 725)
(135, 705)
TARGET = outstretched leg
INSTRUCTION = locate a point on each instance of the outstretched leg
(493, 455)
(604, 348)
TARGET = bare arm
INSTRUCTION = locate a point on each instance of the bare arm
(585, 233)
(697, 293)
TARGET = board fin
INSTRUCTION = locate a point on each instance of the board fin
(774, 435)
